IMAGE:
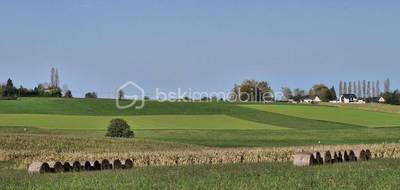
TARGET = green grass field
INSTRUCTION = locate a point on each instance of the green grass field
(376, 174)
(32, 126)
(335, 114)
(207, 124)
(137, 122)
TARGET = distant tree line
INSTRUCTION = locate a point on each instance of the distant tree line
(322, 91)
(252, 91)
(9, 91)
(364, 89)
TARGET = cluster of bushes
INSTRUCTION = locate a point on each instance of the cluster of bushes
(392, 97)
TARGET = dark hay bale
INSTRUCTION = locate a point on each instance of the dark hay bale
(117, 164)
(105, 165)
(67, 167)
(128, 164)
(340, 156)
(361, 155)
(335, 158)
(87, 166)
(327, 157)
(96, 165)
(304, 159)
(318, 158)
(346, 157)
(56, 167)
(76, 166)
(39, 167)
(352, 156)
(368, 154)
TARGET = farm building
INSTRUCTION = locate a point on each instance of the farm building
(376, 100)
(348, 98)
(317, 99)
(309, 100)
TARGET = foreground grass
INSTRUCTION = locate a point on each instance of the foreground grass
(375, 174)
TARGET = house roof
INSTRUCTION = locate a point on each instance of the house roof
(349, 96)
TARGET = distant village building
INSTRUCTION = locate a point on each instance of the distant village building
(348, 98)
(310, 100)
(317, 99)
(377, 100)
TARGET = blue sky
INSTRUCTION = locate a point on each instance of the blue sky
(203, 45)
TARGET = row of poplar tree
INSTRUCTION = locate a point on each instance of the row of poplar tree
(363, 89)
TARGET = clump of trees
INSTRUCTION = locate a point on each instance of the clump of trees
(119, 128)
(392, 97)
(91, 95)
(322, 91)
(252, 91)
(9, 91)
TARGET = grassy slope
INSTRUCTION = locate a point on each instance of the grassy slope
(370, 107)
(376, 174)
(335, 114)
(107, 108)
(136, 122)
(168, 122)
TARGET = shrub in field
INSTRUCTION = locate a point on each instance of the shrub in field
(119, 128)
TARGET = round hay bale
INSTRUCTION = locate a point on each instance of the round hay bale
(303, 159)
(335, 157)
(67, 167)
(39, 167)
(105, 165)
(352, 156)
(340, 156)
(56, 167)
(360, 155)
(117, 164)
(368, 154)
(346, 157)
(127, 164)
(96, 165)
(88, 166)
(327, 157)
(76, 166)
(318, 158)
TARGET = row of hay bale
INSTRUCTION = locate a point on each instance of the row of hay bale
(328, 157)
(77, 166)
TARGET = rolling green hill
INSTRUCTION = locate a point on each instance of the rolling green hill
(208, 124)
(335, 114)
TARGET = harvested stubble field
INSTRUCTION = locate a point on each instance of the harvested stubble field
(186, 133)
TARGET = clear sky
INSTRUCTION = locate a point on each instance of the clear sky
(203, 45)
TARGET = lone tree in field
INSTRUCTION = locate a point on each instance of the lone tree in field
(119, 128)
